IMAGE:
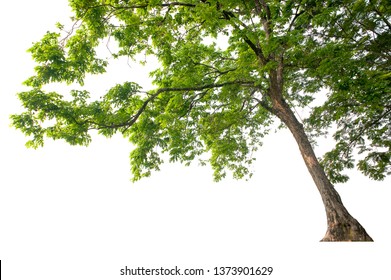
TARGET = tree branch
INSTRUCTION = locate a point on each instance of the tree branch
(261, 5)
(135, 117)
(297, 14)
(365, 26)
(256, 50)
(361, 130)
(380, 14)
(141, 6)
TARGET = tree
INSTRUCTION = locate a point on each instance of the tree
(213, 98)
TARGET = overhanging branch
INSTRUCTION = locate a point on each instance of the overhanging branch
(126, 125)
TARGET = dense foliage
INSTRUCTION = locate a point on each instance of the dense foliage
(356, 68)
(211, 96)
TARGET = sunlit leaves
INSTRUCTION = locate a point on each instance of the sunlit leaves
(59, 62)
(212, 93)
(359, 102)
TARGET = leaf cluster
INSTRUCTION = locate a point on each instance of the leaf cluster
(356, 69)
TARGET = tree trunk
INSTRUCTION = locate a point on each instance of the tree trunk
(341, 226)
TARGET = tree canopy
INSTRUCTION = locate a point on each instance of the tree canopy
(220, 63)
(356, 70)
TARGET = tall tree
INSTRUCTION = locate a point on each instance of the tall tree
(213, 98)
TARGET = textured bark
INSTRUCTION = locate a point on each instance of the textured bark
(341, 226)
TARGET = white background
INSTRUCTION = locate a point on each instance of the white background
(72, 212)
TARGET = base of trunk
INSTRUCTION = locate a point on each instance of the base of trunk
(348, 231)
